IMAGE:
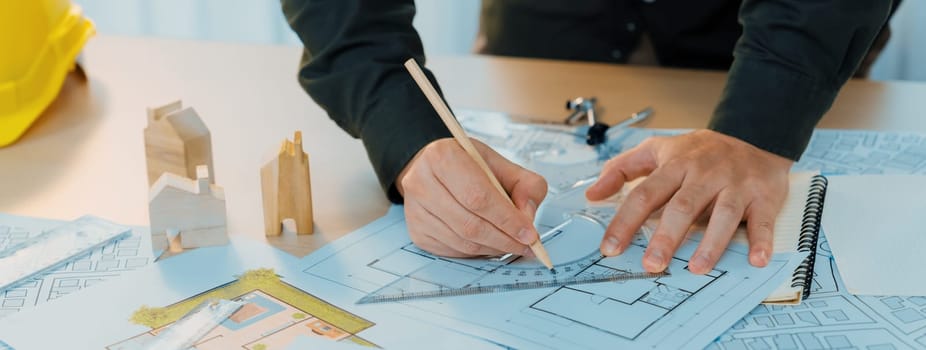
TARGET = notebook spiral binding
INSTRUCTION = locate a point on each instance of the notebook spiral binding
(810, 233)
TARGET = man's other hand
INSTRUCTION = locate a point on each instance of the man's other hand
(699, 172)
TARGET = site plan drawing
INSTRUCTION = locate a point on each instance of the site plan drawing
(831, 317)
(281, 305)
(836, 152)
(104, 263)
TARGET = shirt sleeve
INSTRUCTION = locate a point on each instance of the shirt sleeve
(790, 62)
(352, 66)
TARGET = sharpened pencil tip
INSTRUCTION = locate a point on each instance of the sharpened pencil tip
(553, 271)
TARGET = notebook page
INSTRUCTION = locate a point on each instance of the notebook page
(876, 228)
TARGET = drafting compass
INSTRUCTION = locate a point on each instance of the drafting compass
(598, 132)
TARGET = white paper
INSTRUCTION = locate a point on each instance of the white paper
(876, 226)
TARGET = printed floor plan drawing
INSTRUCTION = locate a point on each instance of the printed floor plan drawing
(282, 304)
(103, 263)
(831, 318)
(417, 271)
(644, 312)
(288, 299)
(275, 314)
(647, 300)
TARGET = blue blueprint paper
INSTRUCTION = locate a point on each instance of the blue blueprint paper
(101, 264)
(665, 313)
(101, 318)
(831, 317)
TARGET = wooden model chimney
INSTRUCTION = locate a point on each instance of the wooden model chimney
(286, 189)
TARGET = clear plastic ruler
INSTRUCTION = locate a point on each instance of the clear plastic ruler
(578, 262)
(53, 248)
(193, 326)
(381, 296)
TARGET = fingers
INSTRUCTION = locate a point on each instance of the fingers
(646, 198)
(527, 189)
(725, 217)
(636, 162)
(468, 226)
(691, 174)
(760, 228)
(453, 209)
(680, 213)
(471, 188)
(430, 233)
(463, 230)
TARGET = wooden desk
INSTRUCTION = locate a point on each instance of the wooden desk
(86, 154)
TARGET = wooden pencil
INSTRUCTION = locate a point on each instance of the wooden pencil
(460, 135)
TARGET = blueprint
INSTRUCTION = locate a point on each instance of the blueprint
(831, 318)
(865, 152)
(281, 305)
(561, 155)
(653, 313)
(427, 273)
(101, 264)
(292, 299)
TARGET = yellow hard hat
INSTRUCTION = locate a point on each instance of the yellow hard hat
(39, 43)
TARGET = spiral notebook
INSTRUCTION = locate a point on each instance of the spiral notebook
(797, 228)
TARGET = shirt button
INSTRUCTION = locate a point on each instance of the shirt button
(631, 27)
(617, 54)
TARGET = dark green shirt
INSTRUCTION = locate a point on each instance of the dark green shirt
(791, 59)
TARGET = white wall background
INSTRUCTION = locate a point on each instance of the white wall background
(904, 58)
(446, 26)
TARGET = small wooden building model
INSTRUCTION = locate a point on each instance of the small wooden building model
(176, 141)
(286, 189)
(193, 210)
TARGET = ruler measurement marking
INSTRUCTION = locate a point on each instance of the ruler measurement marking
(507, 287)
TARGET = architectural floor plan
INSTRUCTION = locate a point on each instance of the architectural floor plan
(653, 313)
(281, 304)
(274, 314)
(101, 264)
(831, 317)
(288, 299)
